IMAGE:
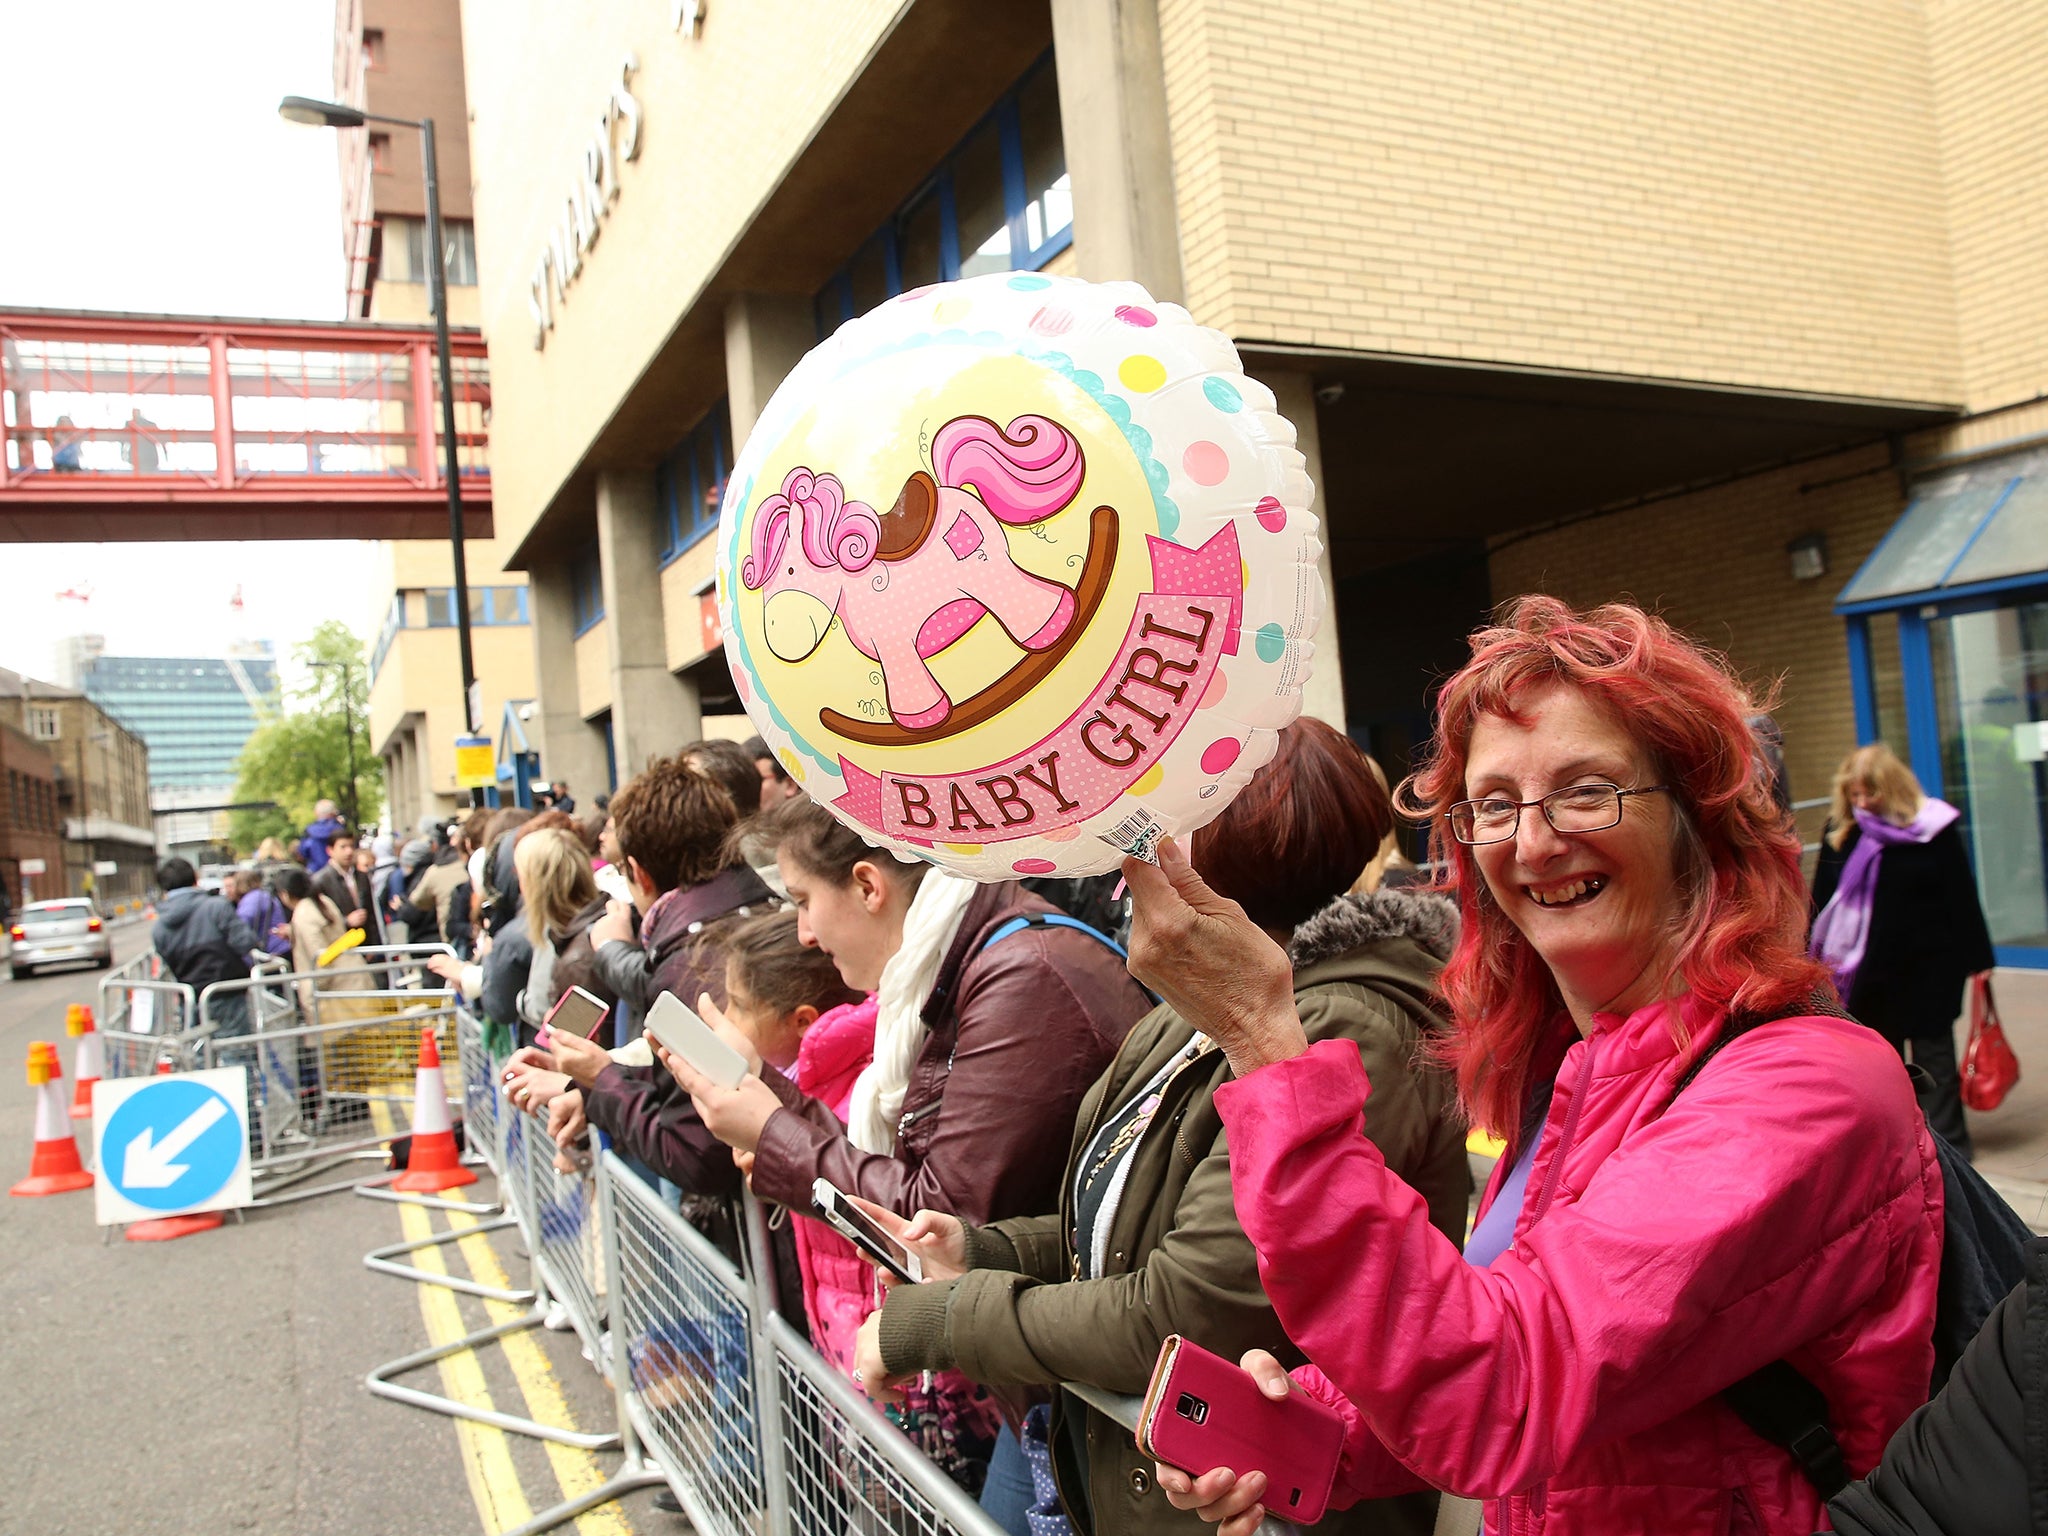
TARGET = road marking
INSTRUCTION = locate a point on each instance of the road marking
(486, 1452)
(577, 1470)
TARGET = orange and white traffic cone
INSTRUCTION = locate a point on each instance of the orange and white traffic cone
(55, 1167)
(88, 1060)
(434, 1164)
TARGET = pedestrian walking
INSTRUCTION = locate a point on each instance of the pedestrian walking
(1651, 1241)
(1898, 921)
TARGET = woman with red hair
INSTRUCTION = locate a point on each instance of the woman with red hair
(1631, 901)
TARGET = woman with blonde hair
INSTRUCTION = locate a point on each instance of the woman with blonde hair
(558, 899)
(1898, 921)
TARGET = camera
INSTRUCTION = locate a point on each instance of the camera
(1192, 1408)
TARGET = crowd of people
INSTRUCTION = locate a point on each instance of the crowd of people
(1732, 1243)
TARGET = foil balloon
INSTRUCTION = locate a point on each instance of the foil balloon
(1018, 575)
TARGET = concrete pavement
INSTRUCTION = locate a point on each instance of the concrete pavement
(215, 1383)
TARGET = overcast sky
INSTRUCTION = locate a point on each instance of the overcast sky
(152, 172)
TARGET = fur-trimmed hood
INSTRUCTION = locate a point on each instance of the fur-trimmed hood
(1357, 919)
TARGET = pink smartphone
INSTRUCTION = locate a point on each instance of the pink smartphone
(1202, 1412)
(575, 1009)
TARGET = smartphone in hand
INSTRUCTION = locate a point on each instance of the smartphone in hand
(1202, 1412)
(676, 1025)
(860, 1229)
(577, 1010)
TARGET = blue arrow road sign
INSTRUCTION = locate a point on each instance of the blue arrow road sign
(172, 1145)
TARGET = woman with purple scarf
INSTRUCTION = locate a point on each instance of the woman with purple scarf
(1898, 921)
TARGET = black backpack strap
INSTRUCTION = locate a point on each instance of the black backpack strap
(1778, 1403)
(1783, 1407)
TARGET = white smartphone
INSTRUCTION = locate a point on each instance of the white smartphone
(676, 1025)
(858, 1228)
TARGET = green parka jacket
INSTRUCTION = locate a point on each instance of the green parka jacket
(1177, 1261)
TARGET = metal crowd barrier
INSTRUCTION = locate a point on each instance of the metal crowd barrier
(716, 1394)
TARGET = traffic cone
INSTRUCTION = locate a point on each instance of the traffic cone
(88, 1060)
(55, 1167)
(434, 1164)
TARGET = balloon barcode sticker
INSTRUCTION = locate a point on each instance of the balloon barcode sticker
(1137, 834)
(1018, 574)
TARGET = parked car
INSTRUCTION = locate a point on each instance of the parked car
(59, 933)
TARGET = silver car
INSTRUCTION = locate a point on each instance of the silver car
(59, 933)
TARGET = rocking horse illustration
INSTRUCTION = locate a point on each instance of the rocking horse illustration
(909, 583)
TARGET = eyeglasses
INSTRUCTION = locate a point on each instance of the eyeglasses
(1575, 808)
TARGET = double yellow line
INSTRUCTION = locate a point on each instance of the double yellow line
(486, 1451)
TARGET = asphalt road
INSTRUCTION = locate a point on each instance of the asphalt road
(215, 1383)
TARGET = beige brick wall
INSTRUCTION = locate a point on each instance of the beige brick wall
(681, 580)
(1714, 564)
(1747, 192)
(725, 113)
(1990, 66)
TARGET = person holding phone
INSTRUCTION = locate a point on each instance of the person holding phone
(1144, 1242)
(988, 1034)
(1630, 896)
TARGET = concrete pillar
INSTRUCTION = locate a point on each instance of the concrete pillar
(1295, 395)
(766, 335)
(570, 747)
(653, 711)
(1113, 122)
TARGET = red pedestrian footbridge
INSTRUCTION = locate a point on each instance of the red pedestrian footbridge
(176, 427)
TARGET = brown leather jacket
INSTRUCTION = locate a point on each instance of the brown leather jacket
(1019, 1032)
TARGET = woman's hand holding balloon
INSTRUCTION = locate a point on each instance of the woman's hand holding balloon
(1217, 969)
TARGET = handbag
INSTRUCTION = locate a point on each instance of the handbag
(1989, 1066)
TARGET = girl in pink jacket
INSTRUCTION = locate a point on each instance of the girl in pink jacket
(1629, 895)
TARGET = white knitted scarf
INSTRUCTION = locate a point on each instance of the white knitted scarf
(907, 981)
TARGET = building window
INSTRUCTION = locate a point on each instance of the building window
(691, 481)
(373, 48)
(586, 576)
(380, 151)
(394, 621)
(402, 257)
(42, 722)
(488, 606)
(1000, 202)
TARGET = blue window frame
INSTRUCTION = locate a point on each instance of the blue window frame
(690, 482)
(587, 578)
(488, 606)
(1000, 202)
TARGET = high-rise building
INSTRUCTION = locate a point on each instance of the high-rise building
(404, 58)
(196, 713)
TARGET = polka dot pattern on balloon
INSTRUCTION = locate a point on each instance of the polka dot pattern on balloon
(1206, 463)
(1271, 515)
(1149, 780)
(1223, 395)
(1270, 642)
(1213, 694)
(1141, 373)
(1029, 282)
(1052, 321)
(1138, 315)
(1034, 866)
(950, 311)
(1219, 755)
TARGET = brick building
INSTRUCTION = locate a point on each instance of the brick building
(100, 776)
(1694, 304)
(31, 826)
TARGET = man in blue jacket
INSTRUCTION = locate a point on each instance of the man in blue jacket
(312, 848)
(201, 940)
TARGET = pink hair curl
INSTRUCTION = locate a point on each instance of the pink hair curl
(835, 531)
(1022, 474)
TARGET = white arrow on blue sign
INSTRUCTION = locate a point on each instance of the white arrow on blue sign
(170, 1145)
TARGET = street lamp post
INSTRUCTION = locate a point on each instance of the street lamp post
(348, 721)
(328, 114)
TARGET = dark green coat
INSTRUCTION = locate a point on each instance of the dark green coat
(1177, 1259)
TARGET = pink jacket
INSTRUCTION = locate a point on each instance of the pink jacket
(839, 1285)
(1787, 1205)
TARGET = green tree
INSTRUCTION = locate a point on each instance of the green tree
(299, 755)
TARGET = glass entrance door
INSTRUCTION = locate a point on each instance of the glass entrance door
(1991, 704)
